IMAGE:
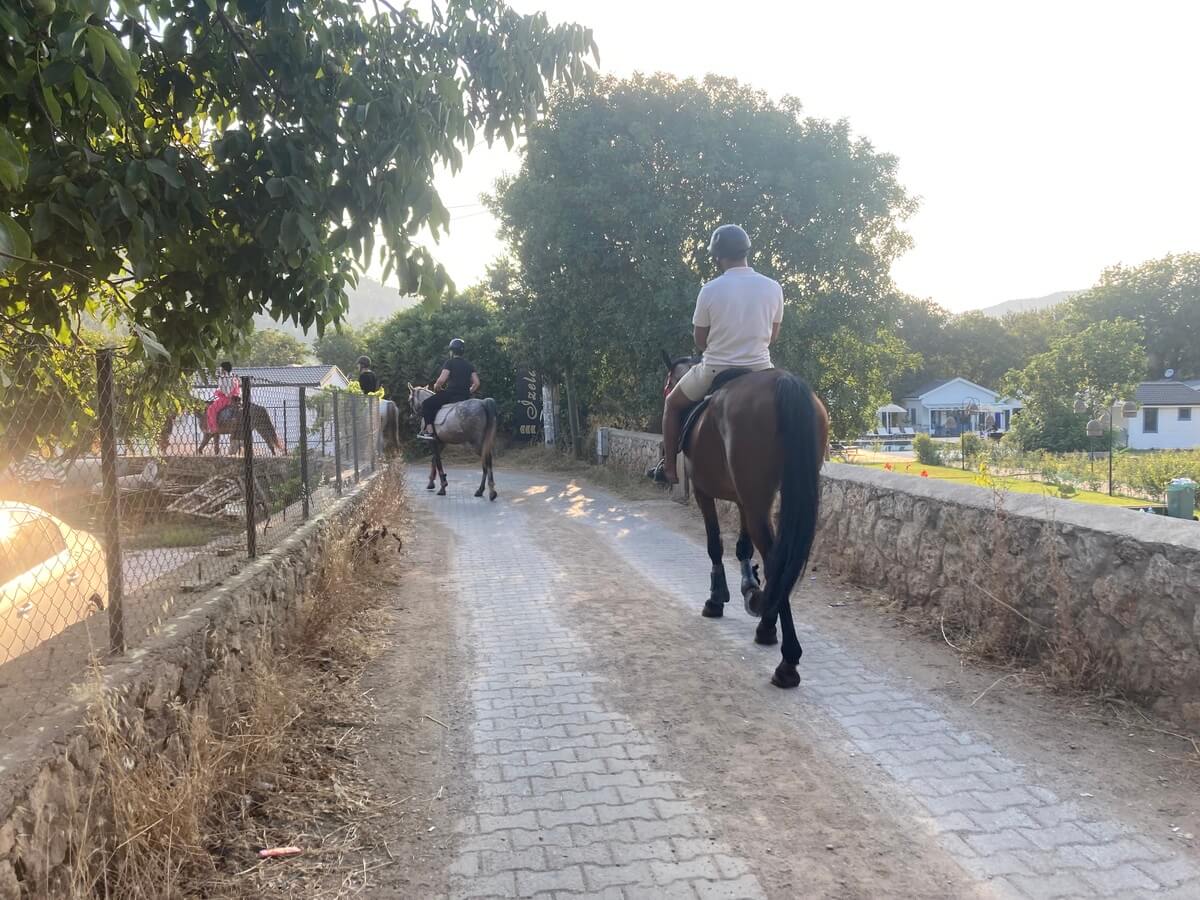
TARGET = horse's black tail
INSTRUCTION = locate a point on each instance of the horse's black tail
(800, 488)
(489, 430)
(261, 421)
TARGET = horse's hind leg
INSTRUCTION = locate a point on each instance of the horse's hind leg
(718, 595)
(432, 474)
(437, 461)
(483, 465)
(759, 527)
(750, 586)
(786, 675)
(491, 476)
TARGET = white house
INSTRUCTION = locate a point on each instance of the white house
(1168, 416)
(950, 406)
(277, 390)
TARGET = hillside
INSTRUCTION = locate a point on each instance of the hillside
(369, 302)
(1027, 304)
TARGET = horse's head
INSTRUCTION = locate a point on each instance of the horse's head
(416, 396)
(676, 369)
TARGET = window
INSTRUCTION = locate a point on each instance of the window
(1150, 420)
(1185, 414)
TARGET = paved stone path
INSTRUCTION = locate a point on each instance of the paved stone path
(572, 804)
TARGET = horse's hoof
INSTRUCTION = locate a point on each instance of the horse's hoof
(785, 676)
(713, 610)
(442, 492)
(753, 602)
(492, 496)
(479, 493)
(766, 637)
(430, 486)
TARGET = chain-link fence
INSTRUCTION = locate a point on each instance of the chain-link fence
(111, 527)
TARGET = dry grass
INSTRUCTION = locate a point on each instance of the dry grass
(267, 761)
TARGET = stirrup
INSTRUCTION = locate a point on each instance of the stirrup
(422, 436)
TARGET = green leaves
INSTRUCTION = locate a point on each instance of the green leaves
(14, 164)
(150, 343)
(13, 242)
(165, 171)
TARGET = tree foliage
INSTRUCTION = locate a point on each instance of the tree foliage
(180, 166)
(1163, 297)
(1100, 364)
(609, 216)
(410, 348)
(343, 346)
(271, 347)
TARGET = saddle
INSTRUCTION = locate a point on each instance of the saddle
(692, 415)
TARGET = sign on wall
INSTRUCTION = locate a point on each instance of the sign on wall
(529, 405)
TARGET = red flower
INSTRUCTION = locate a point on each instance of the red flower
(924, 473)
(888, 466)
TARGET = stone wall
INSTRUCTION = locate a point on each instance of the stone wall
(194, 662)
(1106, 595)
(633, 450)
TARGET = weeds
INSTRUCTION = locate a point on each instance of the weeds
(181, 796)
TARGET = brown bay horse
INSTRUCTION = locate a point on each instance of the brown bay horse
(763, 434)
(230, 423)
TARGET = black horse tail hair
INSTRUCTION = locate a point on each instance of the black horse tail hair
(800, 488)
(489, 431)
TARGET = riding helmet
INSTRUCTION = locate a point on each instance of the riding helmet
(729, 242)
(457, 346)
(364, 362)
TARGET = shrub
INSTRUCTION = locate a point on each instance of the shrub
(927, 451)
(972, 445)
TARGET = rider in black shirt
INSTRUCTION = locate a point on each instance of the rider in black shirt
(457, 381)
(367, 380)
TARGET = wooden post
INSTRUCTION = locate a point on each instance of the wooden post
(304, 489)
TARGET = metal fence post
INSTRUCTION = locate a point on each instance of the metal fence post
(248, 473)
(373, 431)
(354, 405)
(304, 491)
(337, 445)
(106, 410)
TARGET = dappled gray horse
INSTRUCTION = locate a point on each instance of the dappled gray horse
(470, 422)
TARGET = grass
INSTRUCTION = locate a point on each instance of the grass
(175, 534)
(1007, 483)
(181, 801)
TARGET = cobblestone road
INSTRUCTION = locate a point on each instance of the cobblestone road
(575, 801)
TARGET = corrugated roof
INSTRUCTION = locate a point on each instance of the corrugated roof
(1167, 393)
(306, 375)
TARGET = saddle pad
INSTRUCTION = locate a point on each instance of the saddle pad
(694, 411)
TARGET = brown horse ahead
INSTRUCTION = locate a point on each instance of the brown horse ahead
(763, 434)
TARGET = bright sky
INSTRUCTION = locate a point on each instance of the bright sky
(1045, 140)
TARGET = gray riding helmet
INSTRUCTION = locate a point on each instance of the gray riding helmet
(729, 242)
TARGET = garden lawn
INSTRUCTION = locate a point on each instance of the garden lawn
(1006, 483)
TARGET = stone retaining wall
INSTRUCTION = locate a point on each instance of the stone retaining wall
(1109, 595)
(633, 450)
(193, 663)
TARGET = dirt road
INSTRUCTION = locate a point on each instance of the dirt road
(571, 726)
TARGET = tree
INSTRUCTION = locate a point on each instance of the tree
(271, 347)
(1163, 297)
(343, 346)
(410, 347)
(609, 216)
(1100, 364)
(183, 166)
(970, 345)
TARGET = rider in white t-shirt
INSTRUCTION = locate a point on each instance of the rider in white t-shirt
(736, 321)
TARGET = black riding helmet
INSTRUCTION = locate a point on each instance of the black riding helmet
(729, 242)
(364, 362)
(457, 346)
